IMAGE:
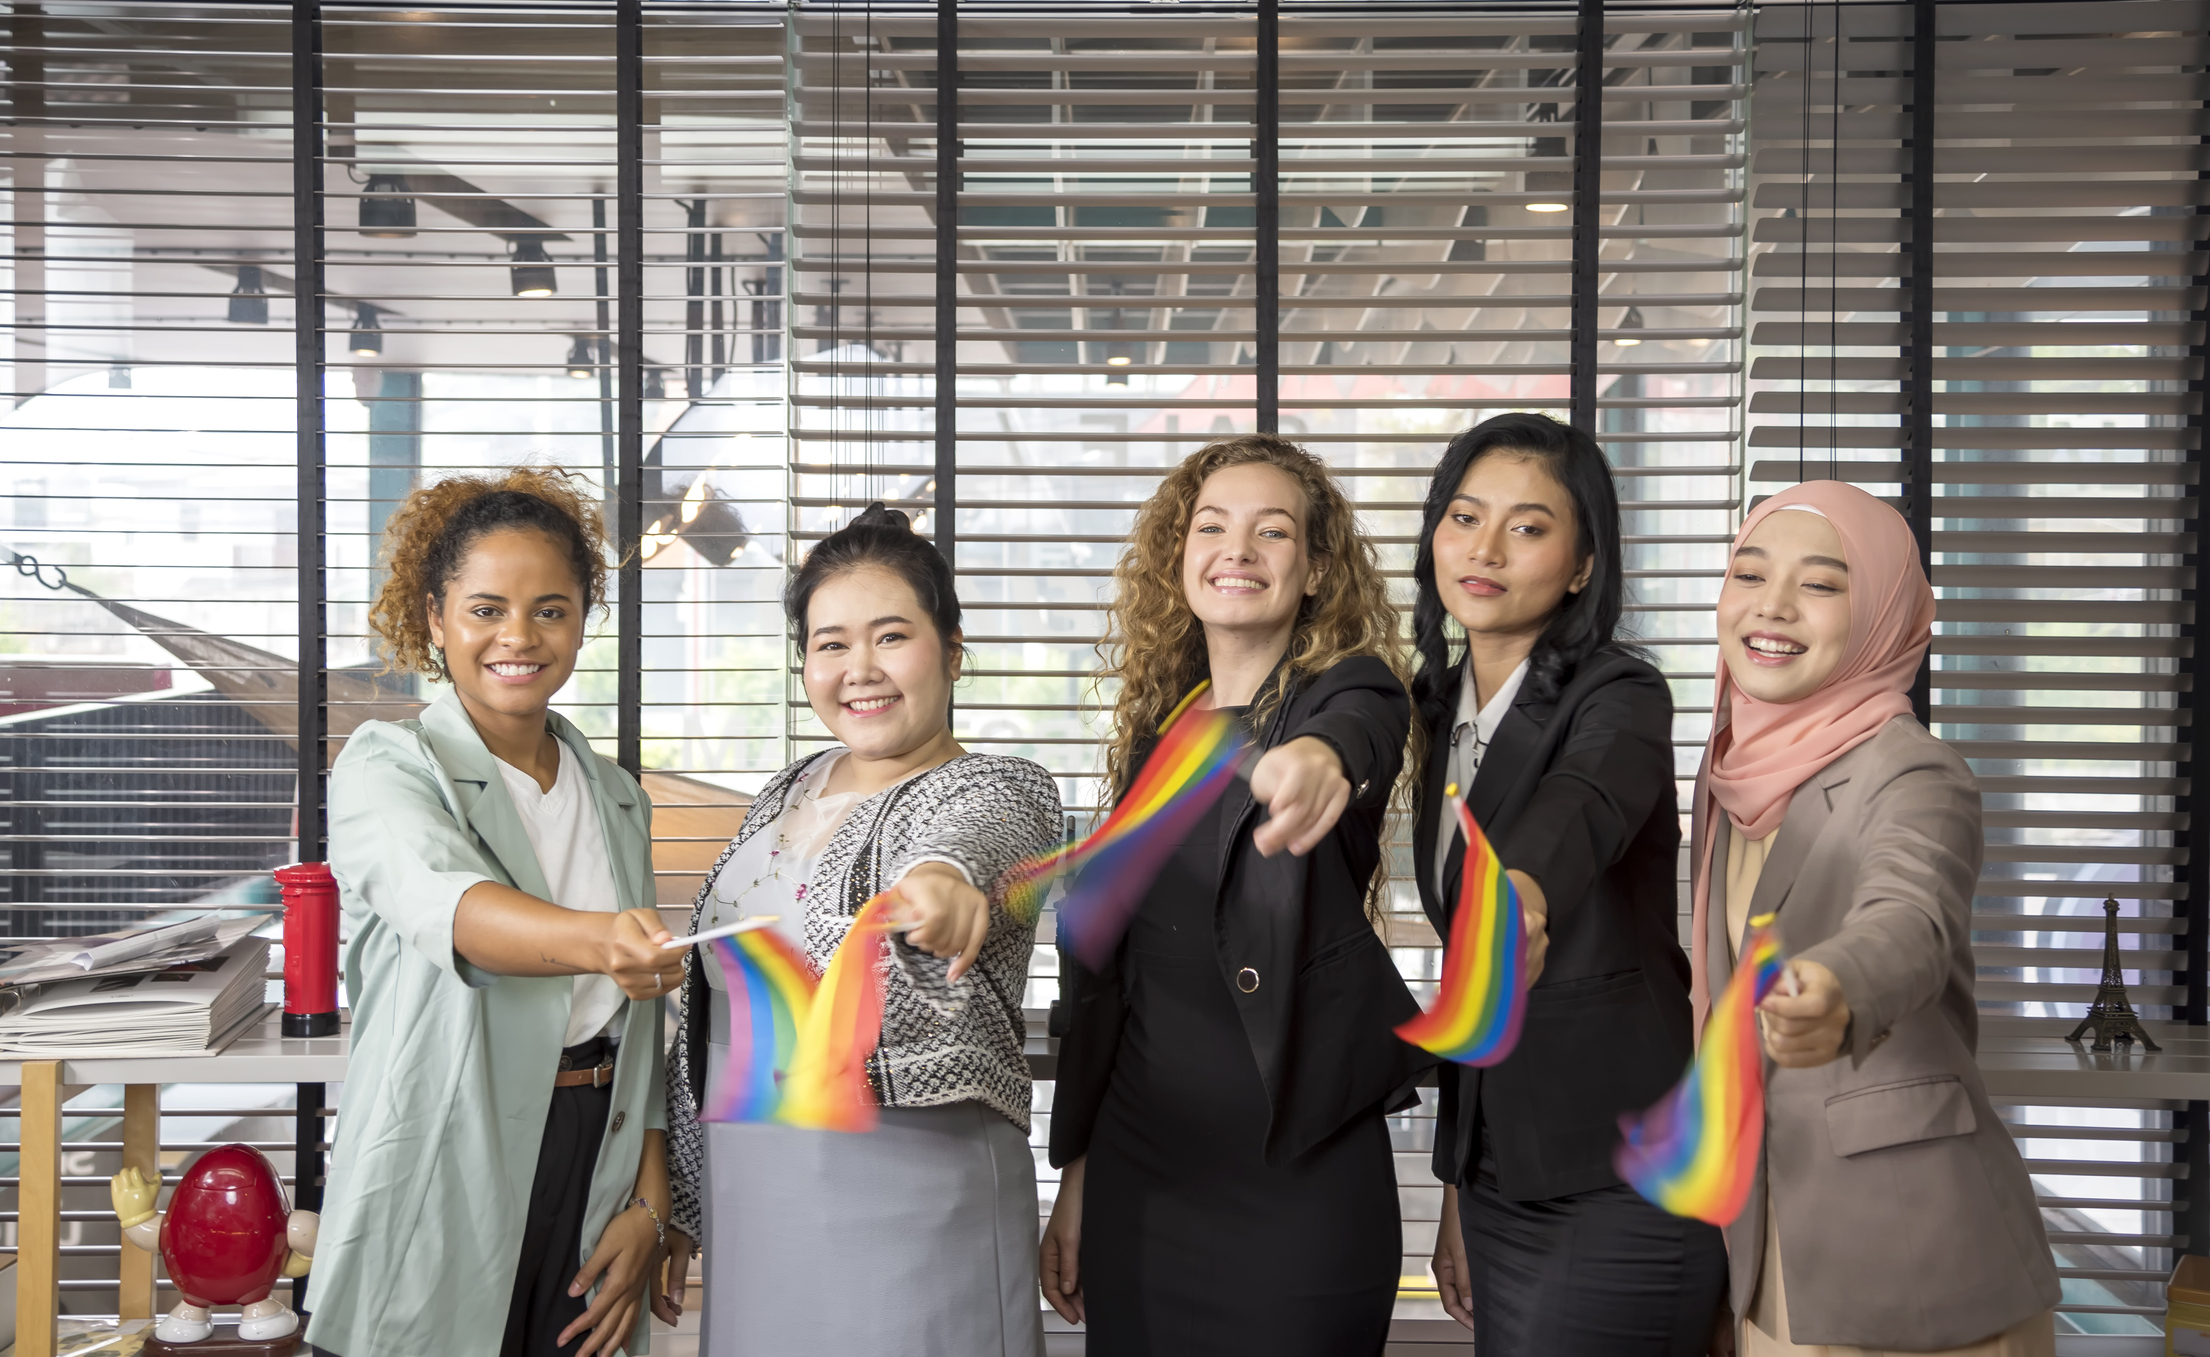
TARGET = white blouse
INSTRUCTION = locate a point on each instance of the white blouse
(1470, 735)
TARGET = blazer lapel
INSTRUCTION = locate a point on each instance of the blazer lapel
(1437, 895)
(1506, 757)
(1808, 812)
(1236, 804)
(485, 805)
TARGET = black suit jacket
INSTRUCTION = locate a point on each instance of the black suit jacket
(1578, 793)
(1327, 995)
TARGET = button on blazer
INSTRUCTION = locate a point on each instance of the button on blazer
(1905, 1215)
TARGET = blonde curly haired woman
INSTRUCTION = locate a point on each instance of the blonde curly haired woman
(1223, 1079)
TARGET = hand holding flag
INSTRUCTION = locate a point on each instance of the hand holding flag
(1695, 1152)
(1483, 995)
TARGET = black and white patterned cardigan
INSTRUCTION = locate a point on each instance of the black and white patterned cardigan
(940, 1043)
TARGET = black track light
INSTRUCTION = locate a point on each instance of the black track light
(387, 212)
(582, 364)
(249, 305)
(532, 271)
(368, 336)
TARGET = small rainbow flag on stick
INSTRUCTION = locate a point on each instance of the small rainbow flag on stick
(798, 1048)
(1189, 768)
(1694, 1153)
(770, 988)
(1483, 995)
(827, 1085)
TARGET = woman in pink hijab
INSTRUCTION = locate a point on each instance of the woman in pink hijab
(1892, 1210)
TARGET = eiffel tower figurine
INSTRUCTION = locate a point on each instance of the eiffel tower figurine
(2111, 1015)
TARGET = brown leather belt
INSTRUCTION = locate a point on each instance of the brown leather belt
(598, 1076)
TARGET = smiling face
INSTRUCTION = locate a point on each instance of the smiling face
(877, 673)
(1784, 610)
(1507, 550)
(510, 624)
(1245, 564)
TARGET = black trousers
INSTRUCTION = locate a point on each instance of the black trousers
(552, 1232)
(1596, 1274)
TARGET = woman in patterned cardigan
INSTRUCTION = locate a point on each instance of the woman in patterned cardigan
(935, 1209)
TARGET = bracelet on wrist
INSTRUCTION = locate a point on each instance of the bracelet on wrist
(659, 1226)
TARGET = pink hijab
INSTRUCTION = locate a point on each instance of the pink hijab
(1760, 752)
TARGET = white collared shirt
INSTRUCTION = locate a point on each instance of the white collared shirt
(1470, 736)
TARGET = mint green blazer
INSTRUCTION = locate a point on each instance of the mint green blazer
(451, 1069)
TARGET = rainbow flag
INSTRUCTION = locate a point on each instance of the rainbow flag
(1695, 1152)
(1190, 767)
(1483, 995)
(826, 1086)
(770, 988)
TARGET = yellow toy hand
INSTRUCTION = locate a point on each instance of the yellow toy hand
(297, 1263)
(134, 1196)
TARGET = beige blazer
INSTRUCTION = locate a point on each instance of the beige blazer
(1904, 1212)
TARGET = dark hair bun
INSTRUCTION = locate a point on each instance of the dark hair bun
(877, 515)
(882, 537)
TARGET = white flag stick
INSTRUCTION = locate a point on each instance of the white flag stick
(757, 921)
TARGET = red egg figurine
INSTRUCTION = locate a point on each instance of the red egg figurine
(228, 1235)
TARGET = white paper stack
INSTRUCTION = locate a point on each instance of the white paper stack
(195, 1008)
(133, 949)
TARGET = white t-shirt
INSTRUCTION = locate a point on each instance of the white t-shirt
(563, 827)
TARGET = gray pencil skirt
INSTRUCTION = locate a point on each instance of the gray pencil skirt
(916, 1238)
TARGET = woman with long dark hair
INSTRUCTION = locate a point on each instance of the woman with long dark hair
(1559, 737)
(1223, 1079)
(919, 1236)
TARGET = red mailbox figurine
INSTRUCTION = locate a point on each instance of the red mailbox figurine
(227, 1237)
(310, 949)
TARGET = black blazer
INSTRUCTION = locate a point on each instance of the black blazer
(1578, 793)
(1319, 994)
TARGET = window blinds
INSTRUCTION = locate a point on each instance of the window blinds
(1108, 259)
(2055, 367)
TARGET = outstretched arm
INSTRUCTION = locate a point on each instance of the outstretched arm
(509, 932)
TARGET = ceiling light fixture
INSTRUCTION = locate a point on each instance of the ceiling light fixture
(1629, 325)
(1552, 190)
(532, 271)
(387, 212)
(582, 365)
(249, 305)
(368, 336)
(1119, 355)
(709, 523)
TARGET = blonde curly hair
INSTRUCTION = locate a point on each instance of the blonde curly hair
(430, 533)
(1155, 645)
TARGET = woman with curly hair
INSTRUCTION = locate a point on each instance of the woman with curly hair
(503, 1128)
(1223, 1080)
(917, 1238)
